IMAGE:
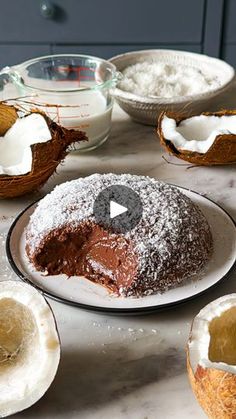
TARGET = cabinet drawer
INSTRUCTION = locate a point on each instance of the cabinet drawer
(108, 51)
(15, 54)
(103, 21)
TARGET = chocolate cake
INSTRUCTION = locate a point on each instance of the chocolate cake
(170, 244)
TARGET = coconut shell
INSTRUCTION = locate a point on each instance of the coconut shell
(45, 156)
(215, 391)
(8, 116)
(222, 151)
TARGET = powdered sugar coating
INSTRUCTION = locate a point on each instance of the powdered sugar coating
(172, 241)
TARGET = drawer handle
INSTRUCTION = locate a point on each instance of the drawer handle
(47, 9)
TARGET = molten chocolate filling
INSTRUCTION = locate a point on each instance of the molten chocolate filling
(90, 251)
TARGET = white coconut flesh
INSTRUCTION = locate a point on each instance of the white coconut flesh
(212, 343)
(197, 133)
(15, 151)
(29, 347)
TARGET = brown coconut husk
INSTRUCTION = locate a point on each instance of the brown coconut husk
(45, 156)
(222, 151)
(215, 390)
(8, 116)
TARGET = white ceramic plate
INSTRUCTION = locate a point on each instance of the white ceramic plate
(83, 293)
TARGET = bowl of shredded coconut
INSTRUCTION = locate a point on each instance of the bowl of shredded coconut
(157, 80)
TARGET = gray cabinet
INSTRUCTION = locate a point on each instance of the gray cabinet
(109, 27)
(103, 21)
(16, 53)
(107, 51)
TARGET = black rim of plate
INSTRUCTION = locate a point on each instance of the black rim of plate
(121, 311)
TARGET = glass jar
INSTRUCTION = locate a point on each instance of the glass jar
(73, 90)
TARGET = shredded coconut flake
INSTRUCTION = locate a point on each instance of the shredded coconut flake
(166, 80)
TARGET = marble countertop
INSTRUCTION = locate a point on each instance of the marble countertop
(126, 367)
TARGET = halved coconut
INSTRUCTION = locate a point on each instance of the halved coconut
(31, 147)
(29, 347)
(206, 139)
(211, 358)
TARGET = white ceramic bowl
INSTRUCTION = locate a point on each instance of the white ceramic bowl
(146, 110)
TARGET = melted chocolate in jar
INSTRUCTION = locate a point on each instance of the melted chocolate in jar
(100, 256)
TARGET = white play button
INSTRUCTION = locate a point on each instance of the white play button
(116, 209)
